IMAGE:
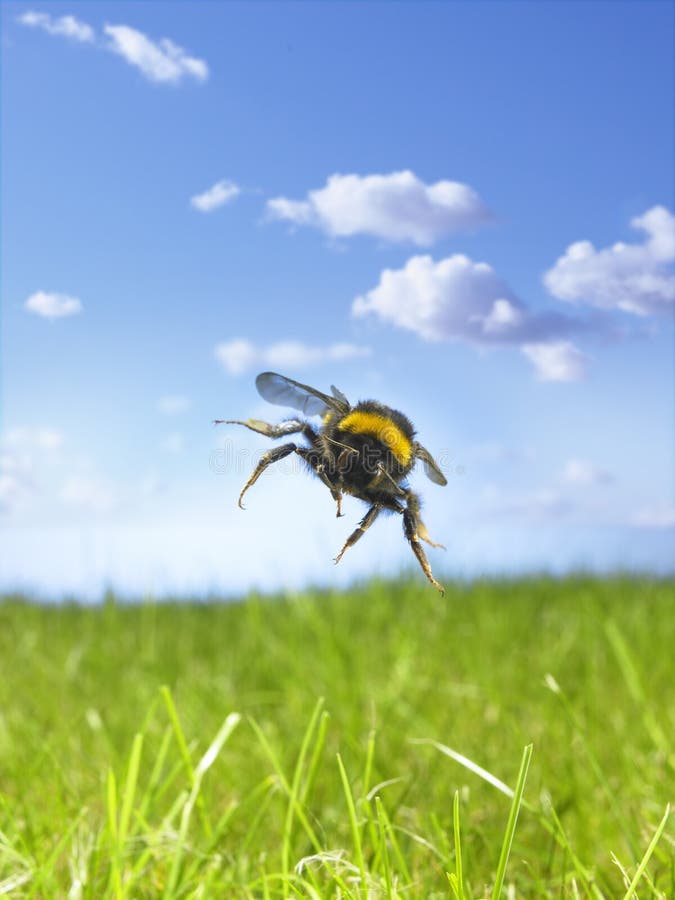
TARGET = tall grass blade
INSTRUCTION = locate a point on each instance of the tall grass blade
(512, 820)
(385, 850)
(203, 766)
(356, 831)
(648, 852)
(459, 875)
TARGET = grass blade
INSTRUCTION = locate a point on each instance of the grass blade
(459, 876)
(383, 844)
(512, 820)
(648, 852)
(356, 831)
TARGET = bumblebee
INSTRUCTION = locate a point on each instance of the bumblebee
(365, 451)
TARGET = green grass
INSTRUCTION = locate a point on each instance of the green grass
(373, 743)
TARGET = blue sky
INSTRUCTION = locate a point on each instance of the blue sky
(463, 210)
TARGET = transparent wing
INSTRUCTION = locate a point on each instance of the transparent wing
(431, 467)
(337, 393)
(285, 392)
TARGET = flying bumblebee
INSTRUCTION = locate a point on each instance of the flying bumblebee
(365, 451)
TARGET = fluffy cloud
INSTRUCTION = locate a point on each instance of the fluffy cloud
(458, 299)
(173, 404)
(396, 207)
(557, 361)
(51, 305)
(218, 195)
(65, 26)
(161, 62)
(584, 473)
(240, 355)
(455, 298)
(635, 278)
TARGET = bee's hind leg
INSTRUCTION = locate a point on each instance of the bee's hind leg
(414, 530)
(363, 526)
(266, 460)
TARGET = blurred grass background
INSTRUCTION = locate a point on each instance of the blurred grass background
(583, 668)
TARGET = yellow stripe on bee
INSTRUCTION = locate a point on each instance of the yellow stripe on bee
(385, 430)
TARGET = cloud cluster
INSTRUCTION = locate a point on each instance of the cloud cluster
(162, 61)
(459, 299)
(51, 305)
(395, 207)
(240, 355)
(218, 195)
(635, 278)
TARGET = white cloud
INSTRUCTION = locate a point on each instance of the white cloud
(88, 492)
(445, 300)
(173, 404)
(660, 516)
(458, 299)
(635, 278)
(65, 26)
(174, 443)
(396, 207)
(557, 361)
(51, 305)
(218, 195)
(161, 62)
(240, 355)
(584, 473)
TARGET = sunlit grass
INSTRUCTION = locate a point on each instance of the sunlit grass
(373, 743)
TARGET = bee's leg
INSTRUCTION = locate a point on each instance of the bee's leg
(266, 460)
(363, 526)
(293, 426)
(319, 470)
(414, 530)
(424, 534)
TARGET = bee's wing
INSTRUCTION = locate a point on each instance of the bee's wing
(337, 393)
(285, 392)
(431, 467)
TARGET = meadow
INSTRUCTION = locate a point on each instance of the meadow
(510, 739)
